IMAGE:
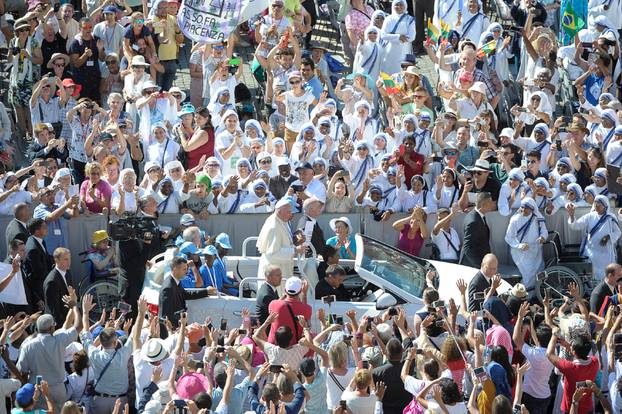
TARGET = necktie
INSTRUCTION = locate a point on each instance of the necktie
(45, 247)
(485, 222)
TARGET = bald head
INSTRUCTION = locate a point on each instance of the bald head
(489, 265)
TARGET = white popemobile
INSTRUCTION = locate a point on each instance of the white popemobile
(386, 277)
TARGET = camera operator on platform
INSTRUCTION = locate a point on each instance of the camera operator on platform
(135, 253)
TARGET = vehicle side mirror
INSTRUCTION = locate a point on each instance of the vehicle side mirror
(385, 301)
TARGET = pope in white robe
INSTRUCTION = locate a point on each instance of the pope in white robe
(275, 241)
(526, 233)
(602, 232)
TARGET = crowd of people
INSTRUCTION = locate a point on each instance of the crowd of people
(95, 122)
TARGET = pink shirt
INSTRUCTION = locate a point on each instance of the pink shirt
(285, 317)
(498, 335)
(357, 21)
(102, 189)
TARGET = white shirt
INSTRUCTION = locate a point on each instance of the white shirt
(536, 382)
(442, 241)
(7, 386)
(63, 273)
(316, 189)
(162, 153)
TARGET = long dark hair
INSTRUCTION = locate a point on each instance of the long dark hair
(499, 355)
(204, 112)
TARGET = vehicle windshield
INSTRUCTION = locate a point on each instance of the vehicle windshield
(397, 268)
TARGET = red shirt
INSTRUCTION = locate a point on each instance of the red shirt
(206, 150)
(410, 171)
(575, 372)
(285, 317)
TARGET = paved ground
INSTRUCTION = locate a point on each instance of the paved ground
(323, 32)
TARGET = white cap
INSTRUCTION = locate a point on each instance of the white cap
(282, 161)
(293, 285)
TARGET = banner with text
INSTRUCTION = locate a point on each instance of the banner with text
(214, 20)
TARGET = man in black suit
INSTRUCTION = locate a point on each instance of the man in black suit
(38, 262)
(314, 234)
(476, 241)
(267, 292)
(57, 284)
(482, 281)
(16, 229)
(607, 287)
(173, 297)
(280, 184)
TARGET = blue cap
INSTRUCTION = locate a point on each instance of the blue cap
(304, 165)
(188, 248)
(24, 395)
(187, 109)
(110, 9)
(223, 240)
(210, 250)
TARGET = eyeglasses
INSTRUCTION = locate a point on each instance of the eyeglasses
(268, 161)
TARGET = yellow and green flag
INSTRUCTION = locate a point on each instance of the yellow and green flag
(487, 49)
(389, 83)
(433, 32)
(445, 29)
(570, 21)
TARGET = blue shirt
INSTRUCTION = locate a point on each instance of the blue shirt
(56, 228)
(593, 88)
(343, 253)
(316, 87)
(221, 276)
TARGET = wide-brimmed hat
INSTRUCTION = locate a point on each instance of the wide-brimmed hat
(478, 87)
(149, 85)
(154, 350)
(138, 60)
(57, 56)
(175, 89)
(21, 24)
(68, 82)
(481, 165)
(345, 220)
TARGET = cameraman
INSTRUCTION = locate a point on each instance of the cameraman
(136, 253)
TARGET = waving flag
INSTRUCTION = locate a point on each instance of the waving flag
(571, 23)
(445, 29)
(389, 83)
(433, 32)
(487, 49)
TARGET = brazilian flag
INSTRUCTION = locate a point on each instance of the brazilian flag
(570, 21)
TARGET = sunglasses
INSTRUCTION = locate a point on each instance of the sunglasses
(277, 6)
(265, 162)
(59, 65)
(294, 82)
(176, 95)
(219, 47)
(419, 97)
(139, 21)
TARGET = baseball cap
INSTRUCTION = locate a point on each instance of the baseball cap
(188, 248)
(223, 240)
(304, 165)
(186, 220)
(293, 285)
(25, 394)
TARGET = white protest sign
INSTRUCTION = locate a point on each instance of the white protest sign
(213, 20)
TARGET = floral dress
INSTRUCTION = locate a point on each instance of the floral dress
(22, 74)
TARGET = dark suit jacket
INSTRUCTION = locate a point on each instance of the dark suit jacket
(317, 237)
(600, 292)
(476, 240)
(278, 185)
(173, 299)
(54, 289)
(265, 295)
(37, 264)
(15, 230)
(477, 284)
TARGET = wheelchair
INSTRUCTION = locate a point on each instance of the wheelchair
(563, 264)
(106, 288)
